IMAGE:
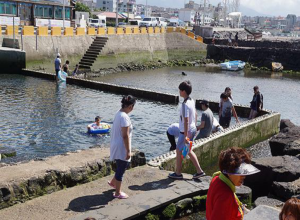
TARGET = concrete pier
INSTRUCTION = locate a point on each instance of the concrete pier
(148, 188)
(12, 60)
(107, 87)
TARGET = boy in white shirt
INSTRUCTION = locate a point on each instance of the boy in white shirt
(187, 127)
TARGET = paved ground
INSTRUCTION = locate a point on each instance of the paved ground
(146, 186)
(24, 171)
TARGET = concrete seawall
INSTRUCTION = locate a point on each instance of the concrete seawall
(107, 87)
(12, 60)
(150, 47)
(260, 57)
(41, 50)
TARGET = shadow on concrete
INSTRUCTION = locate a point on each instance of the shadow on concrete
(160, 184)
(92, 202)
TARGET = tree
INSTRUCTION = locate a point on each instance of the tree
(81, 7)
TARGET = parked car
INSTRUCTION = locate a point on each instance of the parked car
(162, 22)
(101, 22)
(149, 22)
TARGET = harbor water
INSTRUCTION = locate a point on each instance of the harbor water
(41, 118)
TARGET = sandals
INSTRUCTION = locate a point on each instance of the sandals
(121, 196)
(111, 185)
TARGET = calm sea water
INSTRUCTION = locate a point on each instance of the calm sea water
(41, 118)
(280, 93)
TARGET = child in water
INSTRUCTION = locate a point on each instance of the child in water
(96, 124)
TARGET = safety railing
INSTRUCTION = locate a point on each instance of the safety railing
(70, 31)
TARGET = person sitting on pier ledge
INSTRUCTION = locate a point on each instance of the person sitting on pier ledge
(187, 127)
(207, 120)
(222, 202)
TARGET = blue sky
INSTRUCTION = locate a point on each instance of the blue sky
(268, 7)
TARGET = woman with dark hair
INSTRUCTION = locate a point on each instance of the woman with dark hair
(290, 210)
(120, 144)
(222, 202)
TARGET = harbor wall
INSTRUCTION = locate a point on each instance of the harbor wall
(42, 50)
(208, 149)
(288, 44)
(12, 60)
(260, 57)
(148, 47)
(108, 87)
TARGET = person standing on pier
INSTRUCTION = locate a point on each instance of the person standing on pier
(120, 144)
(187, 127)
(256, 104)
(57, 64)
(226, 111)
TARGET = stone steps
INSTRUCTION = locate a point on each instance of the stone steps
(92, 53)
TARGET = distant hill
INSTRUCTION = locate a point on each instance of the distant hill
(250, 12)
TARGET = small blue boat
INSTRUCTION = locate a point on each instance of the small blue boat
(233, 65)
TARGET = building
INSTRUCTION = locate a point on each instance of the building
(187, 15)
(110, 17)
(127, 6)
(107, 5)
(37, 13)
(192, 5)
(143, 10)
(291, 21)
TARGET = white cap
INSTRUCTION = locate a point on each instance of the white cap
(244, 169)
(58, 54)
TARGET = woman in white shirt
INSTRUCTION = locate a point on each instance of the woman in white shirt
(120, 144)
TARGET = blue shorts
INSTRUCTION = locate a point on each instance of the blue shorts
(181, 141)
(121, 168)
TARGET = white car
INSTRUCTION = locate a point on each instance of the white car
(149, 22)
(162, 22)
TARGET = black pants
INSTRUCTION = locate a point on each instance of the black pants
(172, 141)
(225, 121)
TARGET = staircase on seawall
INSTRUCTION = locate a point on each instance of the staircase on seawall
(92, 53)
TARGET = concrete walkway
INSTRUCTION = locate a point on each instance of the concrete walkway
(147, 187)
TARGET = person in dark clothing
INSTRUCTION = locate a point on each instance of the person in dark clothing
(256, 104)
(172, 133)
(236, 39)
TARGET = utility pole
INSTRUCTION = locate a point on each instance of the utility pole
(117, 19)
(64, 14)
(146, 13)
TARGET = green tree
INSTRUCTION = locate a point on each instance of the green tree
(81, 7)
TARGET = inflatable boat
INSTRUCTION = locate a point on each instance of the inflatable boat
(233, 65)
(104, 128)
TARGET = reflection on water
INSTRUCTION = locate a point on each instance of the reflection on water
(280, 93)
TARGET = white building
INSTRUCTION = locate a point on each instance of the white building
(187, 15)
(107, 5)
(143, 10)
(127, 6)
